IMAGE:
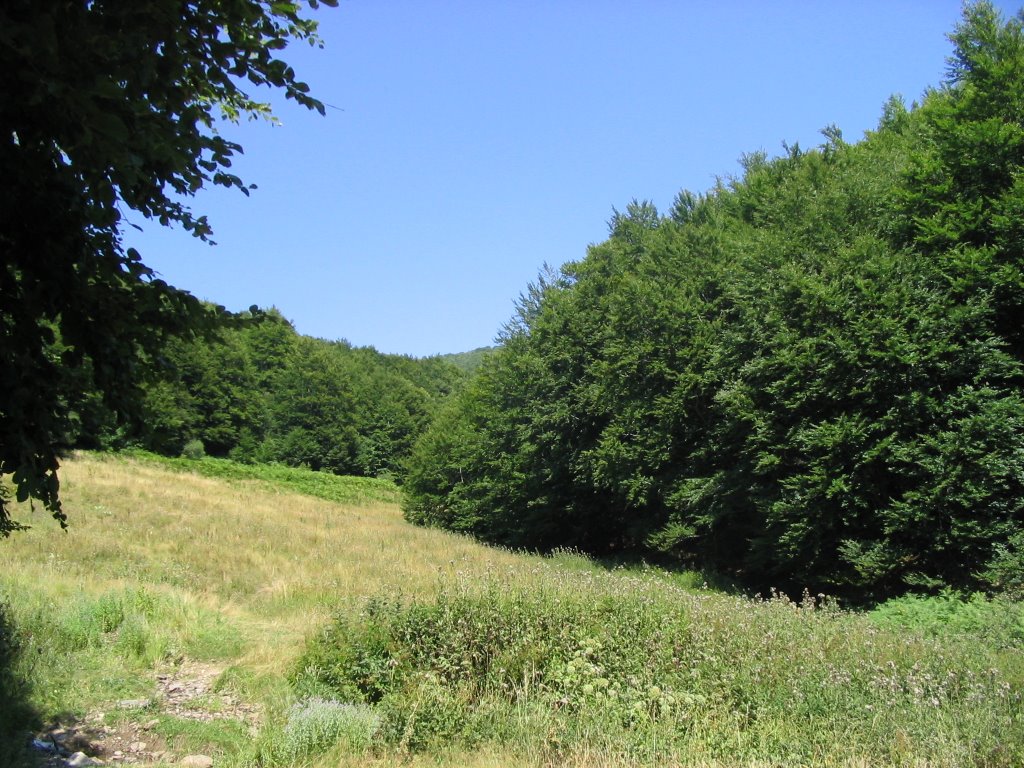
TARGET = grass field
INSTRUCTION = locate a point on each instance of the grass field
(316, 627)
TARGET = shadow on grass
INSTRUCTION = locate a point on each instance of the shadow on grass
(17, 717)
(675, 572)
(649, 564)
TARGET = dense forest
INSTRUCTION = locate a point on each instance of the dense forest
(257, 391)
(807, 377)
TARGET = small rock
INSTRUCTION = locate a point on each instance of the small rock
(196, 761)
(133, 704)
(137, 746)
(44, 745)
(81, 760)
(150, 725)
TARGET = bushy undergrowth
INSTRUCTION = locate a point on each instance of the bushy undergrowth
(322, 485)
(194, 449)
(641, 671)
(1005, 571)
(46, 643)
(1000, 621)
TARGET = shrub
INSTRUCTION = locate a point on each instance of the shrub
(315, 725)
(425, 713)
(1005, 571)
(999, 620)
(194, 449)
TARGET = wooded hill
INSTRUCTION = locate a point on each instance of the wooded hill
(260, 392)
(807, 377)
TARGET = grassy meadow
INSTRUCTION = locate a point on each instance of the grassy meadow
(357, 639)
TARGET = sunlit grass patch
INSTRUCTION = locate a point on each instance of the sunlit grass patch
(160, 565)
(323, 485)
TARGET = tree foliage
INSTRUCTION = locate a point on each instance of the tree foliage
(808, 377)
(110, 109)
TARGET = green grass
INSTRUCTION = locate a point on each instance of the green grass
(313, 726)
(105, 643)
(321, 485)
(164, 566)
(16, 712)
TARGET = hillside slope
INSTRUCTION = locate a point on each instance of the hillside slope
(185, 614)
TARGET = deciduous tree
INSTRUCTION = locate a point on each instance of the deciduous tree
(110, 109)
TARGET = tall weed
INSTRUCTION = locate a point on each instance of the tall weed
(316, 725)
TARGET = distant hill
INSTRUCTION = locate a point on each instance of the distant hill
(468, 361)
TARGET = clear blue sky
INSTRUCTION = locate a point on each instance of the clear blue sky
(472, 141)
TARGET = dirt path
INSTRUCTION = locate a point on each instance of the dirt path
(186, 691)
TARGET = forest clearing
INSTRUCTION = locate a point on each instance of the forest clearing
(742, 485)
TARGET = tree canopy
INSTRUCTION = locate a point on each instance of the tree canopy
(259, 392)
(111, 109)
(809, 377)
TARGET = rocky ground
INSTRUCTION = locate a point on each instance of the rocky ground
(184, 692)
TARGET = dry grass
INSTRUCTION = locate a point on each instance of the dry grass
(260, 569)
(277, 564)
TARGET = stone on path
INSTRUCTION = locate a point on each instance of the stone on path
(133, 703)
(44, 745)
(196, 761)
(81, 760)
